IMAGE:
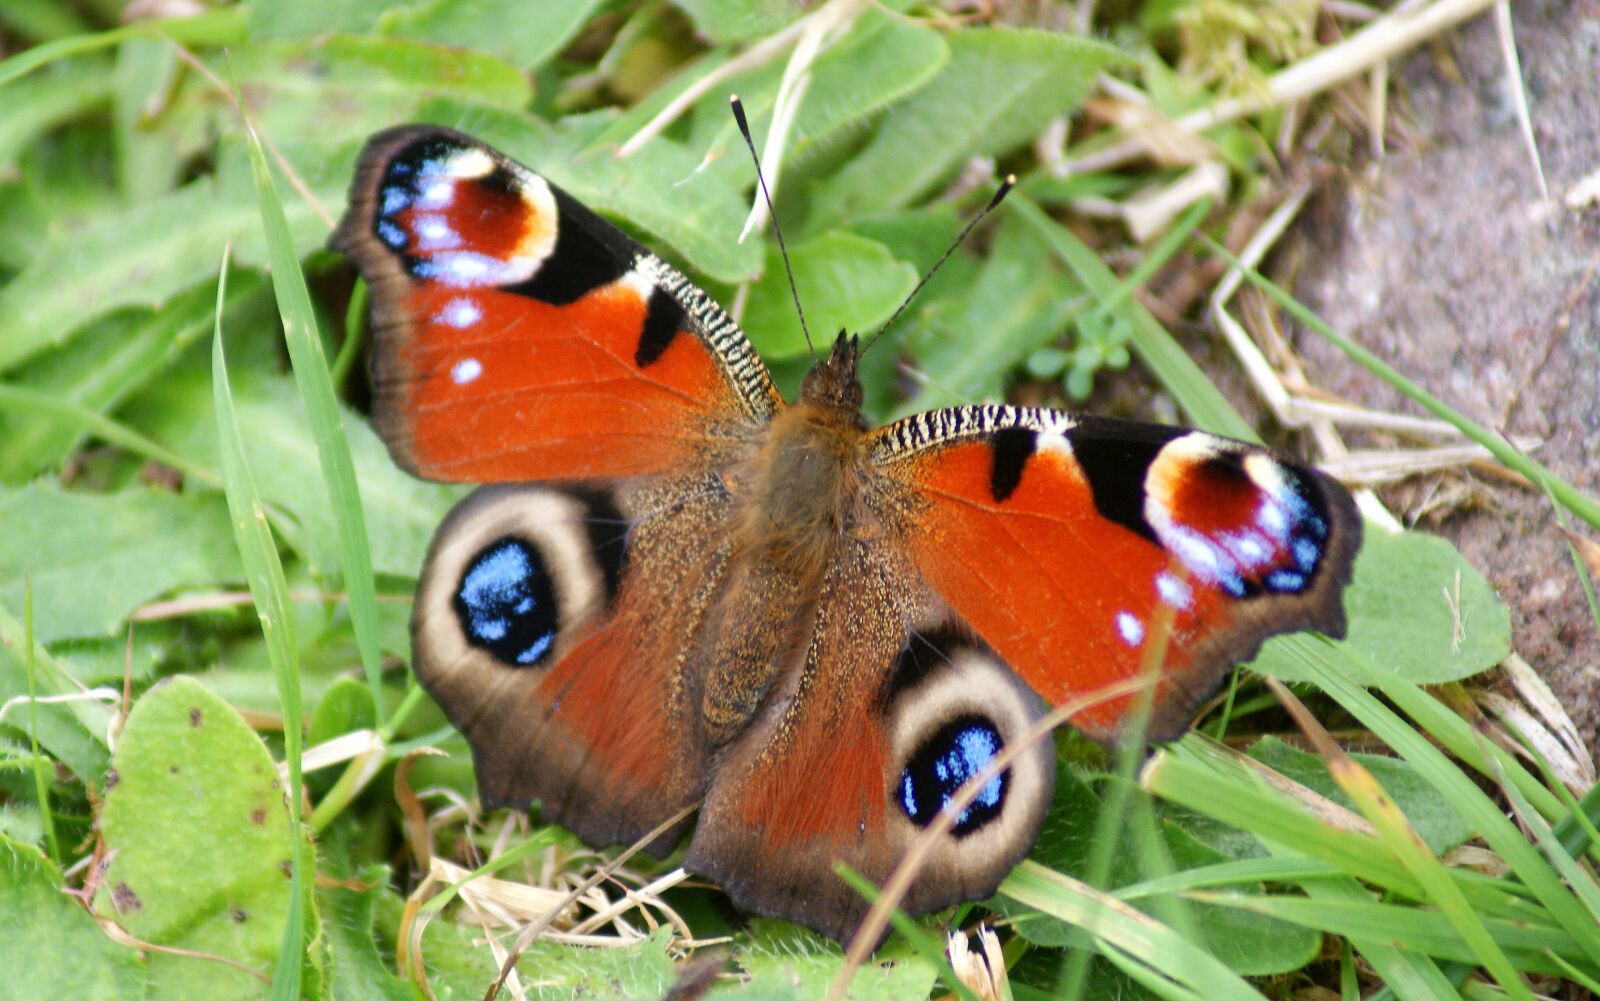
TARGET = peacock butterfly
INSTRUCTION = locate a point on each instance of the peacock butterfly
(678, 590)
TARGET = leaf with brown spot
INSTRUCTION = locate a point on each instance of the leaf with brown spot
(196, 851)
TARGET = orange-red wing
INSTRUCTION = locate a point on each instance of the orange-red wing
(1080, 547)
(555, 627)
(518, 336)
(860, 748)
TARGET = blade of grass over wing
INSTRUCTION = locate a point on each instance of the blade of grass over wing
(912, 932)
(327, 431)
(264, 573)
(1181, 377)
(1570, 496)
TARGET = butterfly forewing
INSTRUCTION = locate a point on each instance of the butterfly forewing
(1073, 545)
(518, 336)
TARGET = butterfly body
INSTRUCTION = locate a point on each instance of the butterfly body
(678, 590)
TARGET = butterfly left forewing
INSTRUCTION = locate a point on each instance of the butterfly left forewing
(518, 336)
(1079, 547)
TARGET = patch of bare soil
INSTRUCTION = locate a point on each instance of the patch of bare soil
(1444, 260)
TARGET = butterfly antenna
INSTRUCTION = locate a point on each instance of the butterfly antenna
(1005, 189)
(744, 130)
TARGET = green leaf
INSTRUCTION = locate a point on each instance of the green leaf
(401, 511)
(459, 964)
(542, 29)
(312, 18)
(197, 830)
(353, 85)
(661, 189)
(1000, 88)
(881, 60)
(93, 558)
(847, 281)
(968, 343)
(1430, 814)
(785, 961)
(356, 971)
(137, 256)
(737, 20)
(50, 948)
(1417, 607)
(104, 365)
(32, 106)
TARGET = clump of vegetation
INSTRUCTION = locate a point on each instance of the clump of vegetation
(218, 777)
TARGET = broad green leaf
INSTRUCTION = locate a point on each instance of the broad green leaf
(401, 511)
(293, 19)
(880, 61)
(1434, 819)
(93, 558)
(106, 363)
(50, 948)
(846, 282)
(138, 256)
(197, 830)
(1000, 88)
(967, 343)
(1417, 608)
(35, 104)
(459, 964)
(74, 729)
(786, 961)
(353, 85)
(736, 20)
(355, 970)
(541, 29)
(660, 189)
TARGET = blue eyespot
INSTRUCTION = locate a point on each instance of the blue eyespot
(943, 763)
(506, 603)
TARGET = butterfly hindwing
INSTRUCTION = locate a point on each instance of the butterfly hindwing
(857, 751)
(1075, 545)
(519, 336)
(553, 625)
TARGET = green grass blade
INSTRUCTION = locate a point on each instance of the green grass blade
(322, 409)
(1134, 934)
(1341, 672)
(1402, 840)
(1415, 929)
(264, 573)
(41, 784)
(214, 27)
(25, 400)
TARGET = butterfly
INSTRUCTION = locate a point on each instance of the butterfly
(677, 589)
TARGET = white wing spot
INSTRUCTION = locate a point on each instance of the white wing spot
(466, 370)
(460, 313)
(1174, 590)
(1130, 628)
